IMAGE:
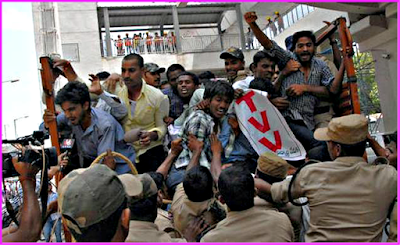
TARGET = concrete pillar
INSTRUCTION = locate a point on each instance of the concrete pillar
(108, 35)
(220, 36)
(239, 18)
(176, 29)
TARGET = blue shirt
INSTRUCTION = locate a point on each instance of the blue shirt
(242, 149)
(103, 133)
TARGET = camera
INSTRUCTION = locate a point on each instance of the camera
(31, 156)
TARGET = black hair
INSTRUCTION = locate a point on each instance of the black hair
(206, 75)
(236, 186)
(262, 55)
(393, 137)
(198, 184)
(144, 209)
(102, 231)
(192, 75)
(357, 149)
(174, 67)
(301, 34)
(158, 179)
(252, 67)
(134, 57)
(222, 88)
(263, 85)
(103, 75)
(74, 92)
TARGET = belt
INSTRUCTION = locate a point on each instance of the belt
(320, 110)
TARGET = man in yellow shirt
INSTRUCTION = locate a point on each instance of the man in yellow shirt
(147, 107)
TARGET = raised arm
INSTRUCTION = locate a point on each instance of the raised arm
(196, 147)
(251, 18)
(176, 149)
(216, 149)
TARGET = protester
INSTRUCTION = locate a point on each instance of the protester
(147, 107)
(301, 95)
(201, 123)
(151, 74)
(180, 95)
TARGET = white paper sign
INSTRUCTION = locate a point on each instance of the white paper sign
(265, 128)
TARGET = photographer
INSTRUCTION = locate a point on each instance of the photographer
(30, 223)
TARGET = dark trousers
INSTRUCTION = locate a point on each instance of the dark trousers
(303, 134)
(175, 177)
(151, 160)
(315, 149)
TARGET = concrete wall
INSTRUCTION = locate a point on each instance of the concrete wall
(79, 24)
(309, 23)
(385, 70)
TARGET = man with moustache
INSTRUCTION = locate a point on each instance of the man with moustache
(313, 79)
(152, 73)
(180, 94)
(95, 130)
(147, 107)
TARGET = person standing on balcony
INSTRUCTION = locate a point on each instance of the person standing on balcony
(157, 43)
(141, 43)
(137, 41)
(149, 41)
(278, 18)
(120, 44)
(249, 39)
(165, 43)
(271, 25)
(173, 40)
(128, 44)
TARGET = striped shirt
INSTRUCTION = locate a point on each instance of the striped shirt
(201, 125)
(302, 107)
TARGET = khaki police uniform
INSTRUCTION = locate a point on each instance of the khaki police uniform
(184, 210)
(393, 225)
(143, 231)
(349, 199)
(252, 225)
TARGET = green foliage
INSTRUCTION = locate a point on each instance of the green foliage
(367, 86)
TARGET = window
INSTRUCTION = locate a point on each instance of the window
(299, 12)
(305, 9)
(285, 21)
(290, 17)
(295, 18)
(71, 51)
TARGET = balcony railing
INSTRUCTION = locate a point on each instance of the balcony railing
(192, 44)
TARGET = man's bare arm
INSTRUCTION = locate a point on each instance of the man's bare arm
(251, 18)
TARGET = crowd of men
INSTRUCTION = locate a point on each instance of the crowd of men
(138, 44)
(200, 179)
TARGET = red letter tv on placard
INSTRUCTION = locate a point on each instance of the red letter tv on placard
(264, 127)
(247, 98)
(270, 145)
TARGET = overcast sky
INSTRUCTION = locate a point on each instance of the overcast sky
(22, 98)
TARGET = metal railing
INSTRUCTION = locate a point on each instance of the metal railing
(191, 44)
